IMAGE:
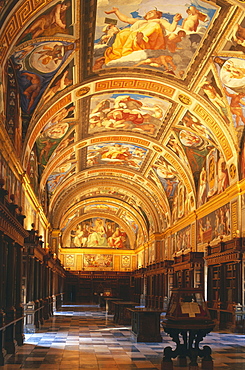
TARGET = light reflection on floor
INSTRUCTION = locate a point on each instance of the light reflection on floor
(84, 337)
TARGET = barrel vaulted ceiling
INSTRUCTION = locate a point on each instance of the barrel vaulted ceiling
(130, 112)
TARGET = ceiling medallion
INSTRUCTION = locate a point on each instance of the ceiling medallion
(184, 99)
(81, 145)
(83, 91)
(232, 171)
(157, 148)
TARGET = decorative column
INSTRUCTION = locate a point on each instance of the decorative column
(55, 287)
(3, 352)
(30, 305)
(170, 280)
(45, 292)
(10, 342)
(49, 292)
(18, 303)
(55, 237)
(37, 321)
(40, 292)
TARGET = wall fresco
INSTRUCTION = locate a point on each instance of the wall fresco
(214, 225)
(183, 239)
(99, 233)
(214, 177)
(98, 260)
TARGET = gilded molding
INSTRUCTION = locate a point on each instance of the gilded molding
(11, 227)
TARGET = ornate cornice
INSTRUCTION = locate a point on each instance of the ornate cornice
(11, 227)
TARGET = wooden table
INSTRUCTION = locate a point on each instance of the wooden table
(109, 304)
(122, 316)
(146, 324)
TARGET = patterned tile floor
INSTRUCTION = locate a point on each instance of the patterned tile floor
(84, 337)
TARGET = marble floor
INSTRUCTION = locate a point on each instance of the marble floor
(84, 337)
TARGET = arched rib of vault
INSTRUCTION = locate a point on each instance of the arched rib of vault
(163, 89)
(129, 204)
(151, 145)
(128, 230)
(120, 204)
(136, 216)
(161, 202)
(147, 206)
(152, 201)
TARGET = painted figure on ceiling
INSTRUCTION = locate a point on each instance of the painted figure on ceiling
(170, 181)
(215, 98)
(50, 23)
(232, 72)
(127, 112)
(194, 17)
(214, 177)
(52, 135)
(62, 82)
(115, 153)
(32, 91)
(150, 33)
(242, 157)
(232, 75)
(143, 34)
(236, 104)
(109, 31)
(61, 173)
(223, 177)
(35, 67)
(239, 34)
(165, 61)
(175, 146)
(196, 149)
(173, 39)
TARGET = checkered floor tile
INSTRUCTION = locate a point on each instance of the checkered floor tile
(84, 337)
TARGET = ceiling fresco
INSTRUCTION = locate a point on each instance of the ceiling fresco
(132, 113)
(162, 36)
(136, 113)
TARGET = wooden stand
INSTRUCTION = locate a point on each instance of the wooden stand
(146, 325)
(192, 335)
(122, 315)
